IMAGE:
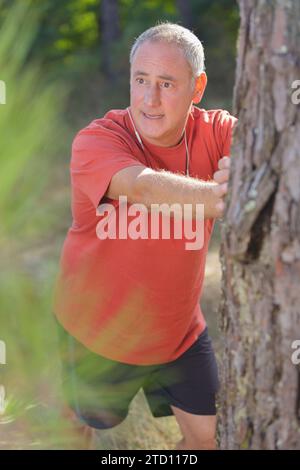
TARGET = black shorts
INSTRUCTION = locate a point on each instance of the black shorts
(100, 390)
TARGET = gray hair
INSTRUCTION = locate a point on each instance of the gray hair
(173, 33)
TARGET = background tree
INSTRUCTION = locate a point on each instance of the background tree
(109, 25)
(185, 13)
(261, 234)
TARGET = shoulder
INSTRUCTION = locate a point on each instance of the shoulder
(113, 120)
(215, 127)
(213, 117)
(111, 128)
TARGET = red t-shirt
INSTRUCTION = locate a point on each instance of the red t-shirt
(134, 300)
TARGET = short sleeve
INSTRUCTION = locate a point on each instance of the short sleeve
(224, 124)
(96, 157)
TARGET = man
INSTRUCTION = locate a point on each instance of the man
(129, 305)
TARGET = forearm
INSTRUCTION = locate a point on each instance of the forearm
(163, 187)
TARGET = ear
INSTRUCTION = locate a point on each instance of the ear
(200, 85)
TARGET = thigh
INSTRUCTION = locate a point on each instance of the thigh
(189, 383)
(98, 389)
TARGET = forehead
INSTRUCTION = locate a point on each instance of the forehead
(160, 58)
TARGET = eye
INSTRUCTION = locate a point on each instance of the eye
(140, 81)
(166, 85)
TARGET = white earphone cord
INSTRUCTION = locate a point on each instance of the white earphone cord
(187, 155)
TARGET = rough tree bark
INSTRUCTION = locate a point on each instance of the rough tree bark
(260, 313)
(110, 32)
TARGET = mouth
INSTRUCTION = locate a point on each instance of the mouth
(153, 116)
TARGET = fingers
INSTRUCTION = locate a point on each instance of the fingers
(224, 163)
(221, 176)
(220, 206)
(220, 189)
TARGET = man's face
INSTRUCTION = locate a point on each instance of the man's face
(161, 92)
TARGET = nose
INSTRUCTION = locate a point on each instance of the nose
(152, 96)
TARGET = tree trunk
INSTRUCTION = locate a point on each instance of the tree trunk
(260, 313)
(109, 26)
(185, 12)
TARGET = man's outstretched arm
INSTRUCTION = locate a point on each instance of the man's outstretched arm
(147, 186)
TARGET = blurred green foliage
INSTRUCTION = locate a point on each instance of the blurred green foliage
(70, 37)
(29, 121)
(30, 118)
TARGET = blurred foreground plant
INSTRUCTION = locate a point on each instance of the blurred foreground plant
(30, 121)
(30, 126)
